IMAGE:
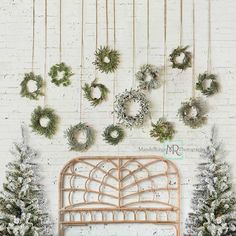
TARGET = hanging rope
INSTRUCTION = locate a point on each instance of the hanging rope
(60, 32)
(134, 41)
(148, 29)
(107, 23)
(114, 38)
(33, 36)
(45, 50)
(165, 57)
(181, 24)
(209, 63)
(193, 56)
(96, 26)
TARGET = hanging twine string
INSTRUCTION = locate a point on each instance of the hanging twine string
(45, 50)
(165, 57)
(107, 23)
(96, 25)
(148, 29)
(33, 36)
(181, 23)
(60, 32)
(209, 63)
(134, 41)
(114, 38)
(193, 56)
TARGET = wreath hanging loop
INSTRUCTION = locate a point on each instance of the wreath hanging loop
(72, 135)
(25, 91)
(88, 92)
(113, 134)
(44, 121)
(186, 62)
(107, 60)
(201, 85)
(146, 71)
(60, 74)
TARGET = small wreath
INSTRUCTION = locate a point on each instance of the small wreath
(88, 92)
(193, 113)
(214, 85)
(162, 130)
(113, 134)
(72, 136)
(142, 75)
(48, 129)
(107, 60)
(121, 108)
(60, 68)
(187, 60)
(24, 86)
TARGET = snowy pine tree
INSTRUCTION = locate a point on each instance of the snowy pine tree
(213, 203)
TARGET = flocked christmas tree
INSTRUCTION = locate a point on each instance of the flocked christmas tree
(22, 204)
(214, 203)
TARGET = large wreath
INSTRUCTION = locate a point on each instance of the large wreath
(55, 71)
(187, 60)
(121, 108)
(144, 72)
(107, 60)
(51, 118)
(193, 113)
(201, 84)
(88, 92)
(24, 86)
(113, 134)
(72, 135)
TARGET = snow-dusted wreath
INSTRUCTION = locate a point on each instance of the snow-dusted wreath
(121, 108)
(113, 134)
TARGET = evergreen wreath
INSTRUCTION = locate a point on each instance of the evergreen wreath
(38, 114)
(162, 130)
(88, 92)
(60, 68)
(214, 85)
(113, 134)
(121, 108)
(193, 113)
(24, 86)
(107, 60)
(72, 135)
(187, 60)
(142, 74)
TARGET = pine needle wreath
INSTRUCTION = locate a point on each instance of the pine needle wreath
(88, 92)
(24, 86)
(107, 60)
(187, 60)
(72, 135)
(55, 71)
(193, 113)
(144, 72)
(162, 130)
(38, 114)
(113, 134)
(201, 84)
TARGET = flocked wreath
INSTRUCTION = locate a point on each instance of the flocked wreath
(187, 58)
(121, 108)
(25, 92)
(142, 77)
(60, 74)
(88, 92)
(107, 60)
(113, 134)
(193, 113)
(72, 135)
(212, 89)
(47, 115)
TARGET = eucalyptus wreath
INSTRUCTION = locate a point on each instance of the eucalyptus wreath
(187, 60)
(50, 128)
(153, 72)
(201, 84)
(113, 134)
(60, 68)
(88, 92)
(107, 60)
(121, 108)
(193, 113)
(162, 130)
(24, 86)
(72, 135)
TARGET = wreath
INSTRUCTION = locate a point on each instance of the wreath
(187, 60)
(44, 114)
(113, 134)
(193, 113)
(55, 71)
(72, 135)
(144, 72)
(121, 108)
(107, 60)
(201, 84)
(88, 92)
(162, 130)
(24, 86)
